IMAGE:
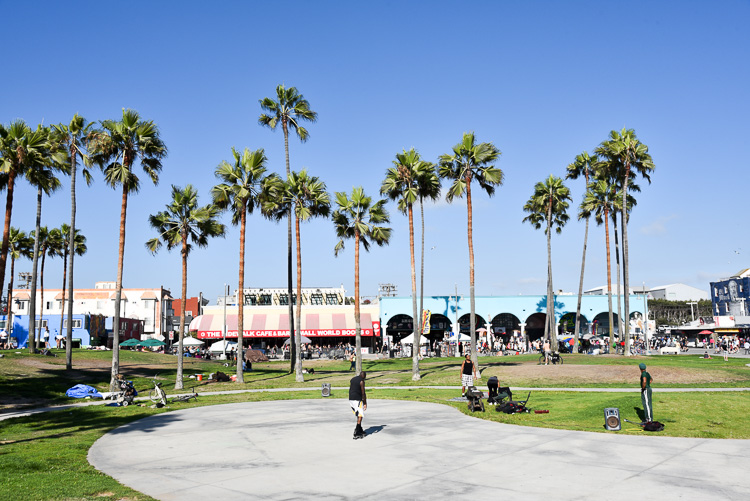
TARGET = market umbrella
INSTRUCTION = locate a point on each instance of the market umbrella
(701, 333)
(151, 342)
(130, 342)
(305, 339)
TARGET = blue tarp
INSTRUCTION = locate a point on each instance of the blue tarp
(83, 391)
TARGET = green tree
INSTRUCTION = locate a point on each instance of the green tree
(74, 137)
(471, 161)
(49, 244)
(117, 149)
(20, 148)
(184, 223)
(244, 186)
(358, 218)
(584, 165)
(79, 248)
(289, 109)
(549, 205)
(624, 154)
(405, 183)
(19, 245)
(308, 198)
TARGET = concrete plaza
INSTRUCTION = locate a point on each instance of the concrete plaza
(303, 449)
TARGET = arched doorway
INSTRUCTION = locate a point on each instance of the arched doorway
(464, 322)
(440, 325)
(568, 324)
(600, 325)
(505, 324)
(535, 326)
(399, 326)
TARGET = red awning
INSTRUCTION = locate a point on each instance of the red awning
(276, 324)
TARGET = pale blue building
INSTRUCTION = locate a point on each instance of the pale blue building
(503, 315)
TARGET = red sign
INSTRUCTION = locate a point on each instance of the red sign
(285, 333)
(376, 328)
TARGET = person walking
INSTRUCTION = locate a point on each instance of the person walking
(747, 346)
(468, 371)
(547, 352)
(353, 361)
(648, 410)
(46, 337)
(358, 401)
(4, 339)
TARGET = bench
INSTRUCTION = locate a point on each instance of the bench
(673, 350)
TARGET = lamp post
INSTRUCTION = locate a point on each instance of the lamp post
(226, 293)
(692, 315)
(645, 320)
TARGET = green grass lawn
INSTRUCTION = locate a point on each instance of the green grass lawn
(45, 456)
(35, 380)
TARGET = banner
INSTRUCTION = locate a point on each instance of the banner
(426, 321)
(284, 333)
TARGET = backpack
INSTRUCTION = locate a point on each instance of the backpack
(511, 407)
(653, 426)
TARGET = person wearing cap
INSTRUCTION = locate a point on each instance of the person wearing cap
(648, 409)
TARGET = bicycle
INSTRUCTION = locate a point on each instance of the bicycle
(555, 358)
(157, 394)
(186, 398)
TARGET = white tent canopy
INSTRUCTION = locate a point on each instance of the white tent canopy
(410, 340)
(218, 346)
(191, 341)
(461, 337)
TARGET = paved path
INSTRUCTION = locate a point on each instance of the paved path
(303, 449)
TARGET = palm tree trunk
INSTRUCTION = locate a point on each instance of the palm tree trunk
(113, 385)
(71, 252)
(65, 276)
(35, 262)
(289, 276)
(357, 327)
(617, 266)
(417, 323)
(550, 288)
(421, 272)
(10, 298)
(625, 268)
(41, 297)
(609, 280)
(180, 356)
(472, 319)
(241, 295)
(580, 287)
(10, 186)
(299, 377)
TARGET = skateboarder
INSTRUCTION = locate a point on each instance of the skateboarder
(358, 401)
(648, 409)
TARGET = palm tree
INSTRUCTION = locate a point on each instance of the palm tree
(79, 248)
(624, 153)
(308, 198)
(549, 204)
(471, 161)
(429, 188)
(600, 200)
(74, 137)
(116, 149)
(357, 217)
(402, 184)
(20, 148)
(289, 109)
(19, 245)
(51, 246)
(244, 187)
(183, 222)
(584, 165)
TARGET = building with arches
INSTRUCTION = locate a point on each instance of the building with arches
(503, 315)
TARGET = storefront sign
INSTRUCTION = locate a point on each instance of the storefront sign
(284, 333)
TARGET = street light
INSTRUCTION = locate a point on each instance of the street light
(691, 303)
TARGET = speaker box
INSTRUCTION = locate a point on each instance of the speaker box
(612, 419)
(326, 390)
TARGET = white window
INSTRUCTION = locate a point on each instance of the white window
(48, 305)
(188, 313)
(76, 323)
(44, 323)
(716, 291)
(22, 305)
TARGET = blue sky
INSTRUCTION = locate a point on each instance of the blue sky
(543, 81)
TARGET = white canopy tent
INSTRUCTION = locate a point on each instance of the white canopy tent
(191, 341)
(461, 337)
(410, 340)
(218, 346)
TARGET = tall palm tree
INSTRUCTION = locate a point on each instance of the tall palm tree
(20, 148)
(289, 109)
(75, 137)
(19, 245)
(244, 186)
(184, 223)
(358, 218)
(428, 188)
(584, 165)
(471, 161)
(51, 245)
(79, 248)
(624, 153)
(308, 198)
(402, 184)
(117, 148)
(549, 205)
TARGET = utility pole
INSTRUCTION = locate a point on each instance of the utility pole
(645, 321)
(691, 303)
